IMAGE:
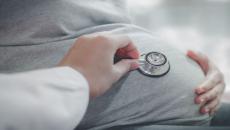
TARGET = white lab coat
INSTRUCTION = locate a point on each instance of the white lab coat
(49, 99)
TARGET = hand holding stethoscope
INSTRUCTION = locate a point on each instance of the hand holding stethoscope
(93, 56)
(102, 48)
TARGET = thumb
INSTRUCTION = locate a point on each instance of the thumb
(124, 66)
(200, 58)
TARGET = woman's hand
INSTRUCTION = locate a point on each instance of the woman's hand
(209, 93)
(93, 55)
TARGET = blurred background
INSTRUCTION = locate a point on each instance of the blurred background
(202, 25)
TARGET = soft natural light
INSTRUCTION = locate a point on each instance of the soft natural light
(189, 25)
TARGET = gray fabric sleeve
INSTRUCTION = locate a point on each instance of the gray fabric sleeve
(137, 99)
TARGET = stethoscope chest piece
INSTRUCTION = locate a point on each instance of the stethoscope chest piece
(154, 64)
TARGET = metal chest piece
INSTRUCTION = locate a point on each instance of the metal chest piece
(154, 64)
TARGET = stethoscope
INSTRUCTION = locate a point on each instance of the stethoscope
(154, 64)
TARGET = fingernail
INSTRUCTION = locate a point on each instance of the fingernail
(206, 110)
(200, 90)
(201, 100)
(198, 100)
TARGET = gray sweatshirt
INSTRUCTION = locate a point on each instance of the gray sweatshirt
(36, 34)
(26, 25)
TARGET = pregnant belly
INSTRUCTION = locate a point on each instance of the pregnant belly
(138, 99)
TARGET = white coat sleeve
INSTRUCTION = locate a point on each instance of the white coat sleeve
(49, 99)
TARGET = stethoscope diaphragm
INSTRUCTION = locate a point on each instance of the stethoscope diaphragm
(154, 64)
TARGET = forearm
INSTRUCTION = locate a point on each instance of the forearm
(45, 99)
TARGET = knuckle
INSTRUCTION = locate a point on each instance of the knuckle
(83, 38)
(211, 83)
(205, 88)
(219, 92)
(102, 38)
(207, 97)
(215, 74)
(214, 94)
(210, 96)
(209, 106)
(222, 87)
(214, 80)
(96, 40)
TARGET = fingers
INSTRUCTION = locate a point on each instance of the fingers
(210, 106)
(210, 95)
(123, 45)
(213, 75)
(123, 66)
(130, 51)
(126, 48)
(211, 100)
(121, 41)
(211, 81)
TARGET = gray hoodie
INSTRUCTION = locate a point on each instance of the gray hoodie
(36, 34)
